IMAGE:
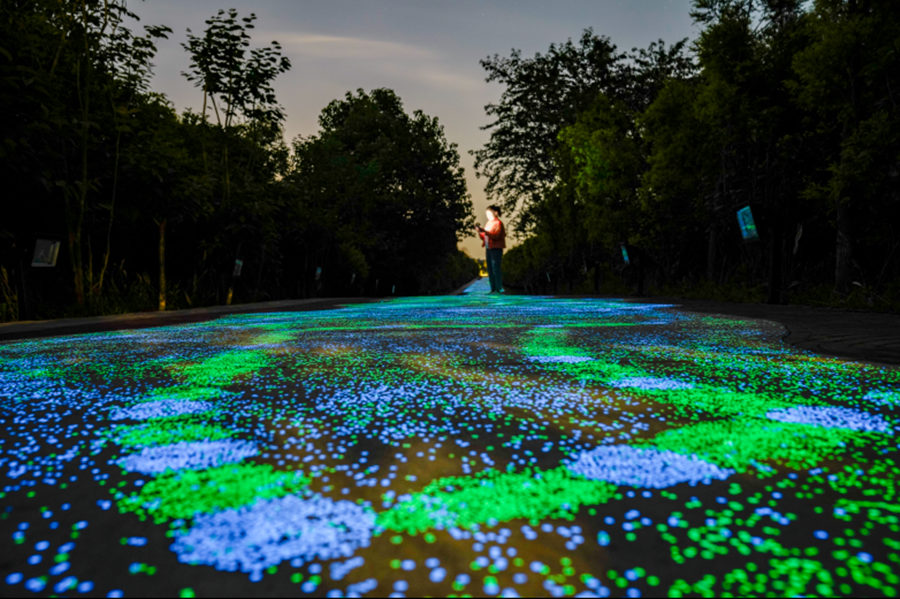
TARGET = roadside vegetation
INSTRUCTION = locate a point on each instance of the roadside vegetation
(159, 210)
(787, 107)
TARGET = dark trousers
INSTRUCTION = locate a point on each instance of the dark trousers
(493, 257)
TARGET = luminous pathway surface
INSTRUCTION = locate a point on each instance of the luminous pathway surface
(459, 445)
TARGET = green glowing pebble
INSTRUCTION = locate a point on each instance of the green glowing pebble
(164, 431)
(881, 479)
(187, 392)
(494, 496)
(716, 400)
(549, 342)
(185, 493)
(746, 442)
(707, 398)
(273, 338)
(221, 369)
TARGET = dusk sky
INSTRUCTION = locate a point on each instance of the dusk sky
(427, 51)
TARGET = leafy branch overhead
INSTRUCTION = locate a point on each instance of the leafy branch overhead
(235, 78)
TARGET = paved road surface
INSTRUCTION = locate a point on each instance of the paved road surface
(471, 444)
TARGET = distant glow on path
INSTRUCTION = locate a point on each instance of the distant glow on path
(457, 445)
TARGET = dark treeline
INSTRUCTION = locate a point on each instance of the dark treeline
(156, 209)
(784, 106)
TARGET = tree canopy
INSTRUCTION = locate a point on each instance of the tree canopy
(155, 209)
(784, 107)
(383, 192)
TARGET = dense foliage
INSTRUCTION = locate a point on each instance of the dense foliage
(154, 209)
(784, 106)
(380, 195)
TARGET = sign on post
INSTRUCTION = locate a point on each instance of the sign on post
(45, 253)
(747, 225)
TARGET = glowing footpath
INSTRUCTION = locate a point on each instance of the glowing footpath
(461, 445)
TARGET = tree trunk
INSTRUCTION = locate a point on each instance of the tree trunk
(75, 221)
(843, 250)
(711, 253)
(775, 262)
(89, 275)
(162, 265)
(112, 207)
(259, 273)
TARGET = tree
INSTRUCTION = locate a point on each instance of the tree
(70, 69)
(606, 154)
(384, 190)
(751, 127)
(543, 95)
(236, 81)
(846, 78)
(675, 216)
(603, 156)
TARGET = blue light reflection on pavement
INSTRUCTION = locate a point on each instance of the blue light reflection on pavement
(471, 444)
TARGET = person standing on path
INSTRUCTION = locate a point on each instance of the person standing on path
(493, 237)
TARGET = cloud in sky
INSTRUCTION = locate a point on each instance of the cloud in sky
(394, 60)
(335, 47)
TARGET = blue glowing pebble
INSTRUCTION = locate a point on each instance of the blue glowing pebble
(650, 383)
(254, 537)
(193, 455)
(831, 417)
(162, 408)
(361, 588)
(340, 569)
(889, 398)
(644, 467)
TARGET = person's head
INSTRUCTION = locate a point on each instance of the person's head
(492, 212)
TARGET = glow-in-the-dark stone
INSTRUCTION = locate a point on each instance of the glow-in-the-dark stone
(187, 492)
(652, 468)
(561, 359)
(187, 392)
(831, 417)
(889, 398)
(340, 569)
(468, 501)
(192, 455)
(744, 444)
(162, 431)
(263, 534)
(221, 369)
(649, 382)
(161, 408)
(464, 445)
